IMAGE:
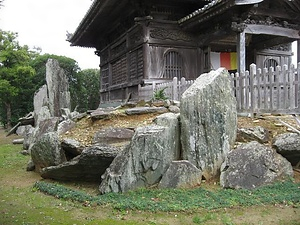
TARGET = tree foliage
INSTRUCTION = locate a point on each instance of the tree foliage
(87, 95)
(23, 72)
(15, 75)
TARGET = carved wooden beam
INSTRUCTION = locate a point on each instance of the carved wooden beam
(271, 42)
(272, 30)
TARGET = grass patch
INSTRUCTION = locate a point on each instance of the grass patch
(179, 199)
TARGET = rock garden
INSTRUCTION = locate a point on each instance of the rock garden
(163, 144)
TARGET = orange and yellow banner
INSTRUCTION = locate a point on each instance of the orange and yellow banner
(224, 59)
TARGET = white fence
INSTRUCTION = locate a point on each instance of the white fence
(173, 89)
(256, 91)
(267, 90)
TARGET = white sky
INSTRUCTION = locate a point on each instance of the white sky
(44, 24)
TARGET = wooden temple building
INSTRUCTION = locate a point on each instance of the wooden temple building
(141, 41)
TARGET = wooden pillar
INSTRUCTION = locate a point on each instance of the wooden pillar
(241, 51)
(298, 51)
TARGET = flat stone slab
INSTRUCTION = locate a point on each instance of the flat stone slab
(88, 166)
(101, 114)
(144, 110)
(113, 135)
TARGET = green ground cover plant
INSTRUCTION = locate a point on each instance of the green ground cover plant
(180, 199)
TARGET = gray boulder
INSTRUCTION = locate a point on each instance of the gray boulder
(27, 136)
(65, 126)
(252, 165)
(44, 126)
(288, 145)
(46, 151)
(174, 109)
(113, 135)
(23, 130)
(71, 147)
(30, 166)
(258, 133)
(147, 158)
(181, 174)
(208, 121)
(89, 166)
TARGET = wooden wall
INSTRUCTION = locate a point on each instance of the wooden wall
(138, 57)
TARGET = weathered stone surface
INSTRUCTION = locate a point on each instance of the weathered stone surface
(40, 100)
(176, 103)
(71, 147)
(43, 114)
(58, 88)
(28, 136)
(89, 166)
(181, 174)
(78, 116)
(65, 113)
(174, 109)
(65, 126)
(258, 133)
(113, 135)
(288, 145)
(252, 165)
(144, 110)
(208, 121)
(24, 152)
(101, 114)
(18, 141)
(30, 166)
(46, 151)
(44, 126)
(147, 158)
(23, 130)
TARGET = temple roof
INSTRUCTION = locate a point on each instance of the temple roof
(114, 17)
(107, 16)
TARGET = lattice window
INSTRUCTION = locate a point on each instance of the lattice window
(104, 77)
(119, 71)
(173, 65)
(136, 64)
(270, 63)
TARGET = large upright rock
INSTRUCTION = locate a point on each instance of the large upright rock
(58, 87)
(208, 121)
(147, 158)
(40, 100)
(253, 165)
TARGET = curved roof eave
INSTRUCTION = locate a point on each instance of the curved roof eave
(213, 4)
(96, 8)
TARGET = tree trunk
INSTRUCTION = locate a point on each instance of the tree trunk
(8, 115)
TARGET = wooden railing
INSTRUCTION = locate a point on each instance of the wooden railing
(273, 90)
(173, 89)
